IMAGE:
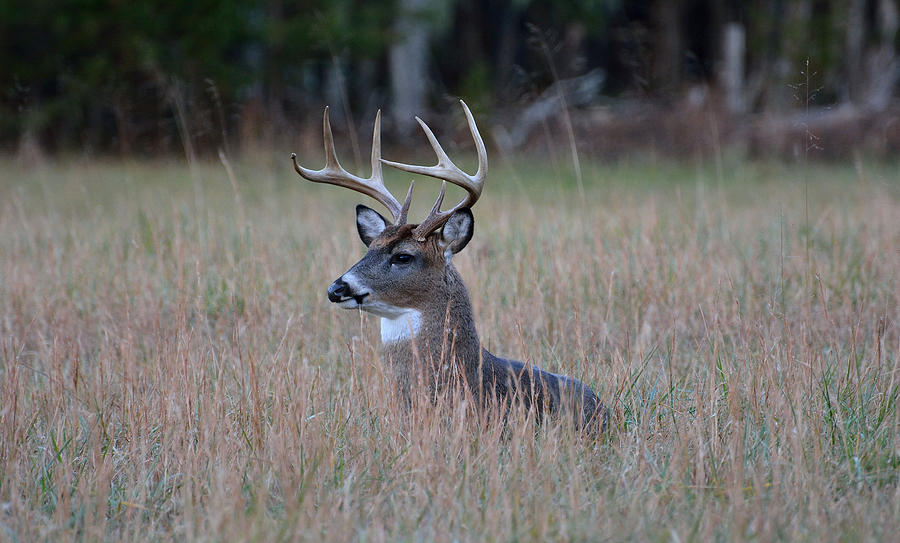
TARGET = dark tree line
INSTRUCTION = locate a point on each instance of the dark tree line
(149, 77)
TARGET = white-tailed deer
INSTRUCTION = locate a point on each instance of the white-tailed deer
(407, 278)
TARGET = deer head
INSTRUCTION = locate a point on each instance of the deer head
(405, 265)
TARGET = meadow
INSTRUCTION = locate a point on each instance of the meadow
(171, 368)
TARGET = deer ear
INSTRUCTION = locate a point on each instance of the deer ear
(369, 223)
(457, 231)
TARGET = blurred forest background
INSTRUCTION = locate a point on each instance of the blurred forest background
(681, 77)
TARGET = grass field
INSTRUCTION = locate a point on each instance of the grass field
(170, 367)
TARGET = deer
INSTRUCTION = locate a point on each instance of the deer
(407, 278)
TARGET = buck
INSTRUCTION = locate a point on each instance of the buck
(407, 278)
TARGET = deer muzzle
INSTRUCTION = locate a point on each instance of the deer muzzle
(341, 291)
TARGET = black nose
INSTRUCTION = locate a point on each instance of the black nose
(339, 290)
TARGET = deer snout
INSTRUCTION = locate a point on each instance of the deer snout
(338, 291)
(347, 292)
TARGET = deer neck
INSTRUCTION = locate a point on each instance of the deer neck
(404, 327)
(444, 327)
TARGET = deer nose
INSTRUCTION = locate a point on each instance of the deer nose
(339, 290)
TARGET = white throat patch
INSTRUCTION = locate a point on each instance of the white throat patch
(401, 328)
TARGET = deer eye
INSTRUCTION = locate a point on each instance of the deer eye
(401, 258)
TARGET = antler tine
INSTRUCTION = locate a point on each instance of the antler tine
(436, 208)
(331, 159)
(404, 211)
(334, 174)
(448, 171)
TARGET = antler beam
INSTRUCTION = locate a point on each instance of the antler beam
(334, 174)
(448, 171)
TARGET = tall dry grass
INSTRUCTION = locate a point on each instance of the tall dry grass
(170, 367)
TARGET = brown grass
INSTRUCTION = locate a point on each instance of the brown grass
(170, 367)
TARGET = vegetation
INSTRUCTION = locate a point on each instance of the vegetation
(138, 77)
(170, 367)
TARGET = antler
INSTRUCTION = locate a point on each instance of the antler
(334, 174)
(445, 169)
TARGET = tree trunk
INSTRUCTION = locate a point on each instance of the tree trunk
(855, 39)
(669, 49)
(732, 68)
(881, 63)
(409, 64)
